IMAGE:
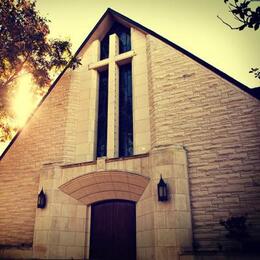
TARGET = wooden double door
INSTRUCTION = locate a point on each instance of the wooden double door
(113, 230)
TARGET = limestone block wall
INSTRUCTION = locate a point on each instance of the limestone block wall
(172, 219)
(163, 229)
(41, 141)
(86, 107)
(141, 116)
(219, 126)
(60, 228)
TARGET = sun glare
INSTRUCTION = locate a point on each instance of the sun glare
(24, 100)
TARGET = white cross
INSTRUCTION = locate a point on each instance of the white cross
(112, 62)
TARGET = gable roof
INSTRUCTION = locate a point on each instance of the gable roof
(101, 27)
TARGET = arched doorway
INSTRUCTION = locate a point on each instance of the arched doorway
(109, 193)
(113, 230)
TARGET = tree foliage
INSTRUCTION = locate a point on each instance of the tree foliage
(247, 17)
(256, 72)
(241, 233)
(236, 226)
(244, 14)
(25, 47)
(5, 130)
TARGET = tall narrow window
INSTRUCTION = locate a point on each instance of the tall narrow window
(104, 48)
(102, 114)
(123, 34)
(125, 111)
(124, 39)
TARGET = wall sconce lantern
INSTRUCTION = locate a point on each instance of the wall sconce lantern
(41, 200)
(162, 190)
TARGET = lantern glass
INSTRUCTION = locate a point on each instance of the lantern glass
(41, 200)
(162, 190)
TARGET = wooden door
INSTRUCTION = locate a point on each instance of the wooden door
(113, 231)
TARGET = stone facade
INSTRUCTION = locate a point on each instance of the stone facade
(197, 130)
(62, 229)
(219, 126)
(41, 141)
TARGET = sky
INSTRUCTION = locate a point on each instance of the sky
(190, 24)
(193, 25)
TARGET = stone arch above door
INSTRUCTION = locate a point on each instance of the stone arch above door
(107, 185)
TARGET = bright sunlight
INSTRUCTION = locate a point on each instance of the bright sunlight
(25, 99)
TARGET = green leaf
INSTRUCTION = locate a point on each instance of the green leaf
(242, 15)
(242, 27)
(235, 11)
(247, 3)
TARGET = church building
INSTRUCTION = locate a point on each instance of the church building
(137, 154)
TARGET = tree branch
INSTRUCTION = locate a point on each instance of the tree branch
(11, 78)
(235, 16)
(233, 28)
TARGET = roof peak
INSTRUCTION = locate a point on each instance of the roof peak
(118, 16)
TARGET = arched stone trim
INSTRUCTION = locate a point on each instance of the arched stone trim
(98, 186)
